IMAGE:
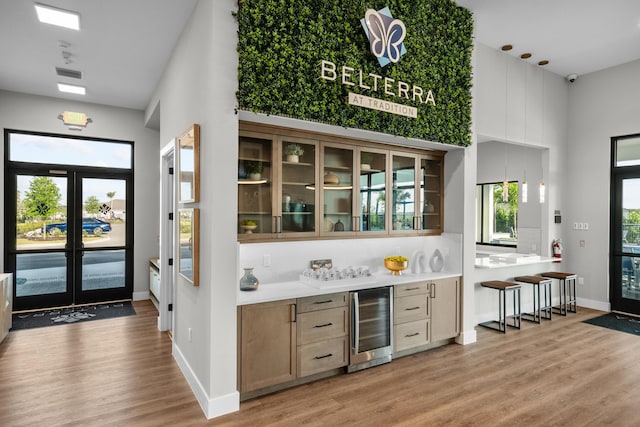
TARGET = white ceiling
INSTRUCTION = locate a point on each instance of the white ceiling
(123, 45)
(576, 36)
(122, 48)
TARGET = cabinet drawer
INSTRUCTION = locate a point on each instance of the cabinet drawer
(410, 289)
(321, 302)
(322, 356)
(412, 334)
(321, 325)
(407, 309)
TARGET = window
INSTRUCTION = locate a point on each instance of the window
(497, 219)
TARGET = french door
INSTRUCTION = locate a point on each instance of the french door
(625, 225)
(68, 233)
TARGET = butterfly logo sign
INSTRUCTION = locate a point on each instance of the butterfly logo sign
(386, 35)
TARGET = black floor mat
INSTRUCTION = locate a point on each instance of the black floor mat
(65, 316)
(618, 322)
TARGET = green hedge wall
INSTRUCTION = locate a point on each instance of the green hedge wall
(281, 44)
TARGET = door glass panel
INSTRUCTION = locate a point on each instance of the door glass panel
(298, 187)
(41, 273)
(338, 189)
(631, 277)
(69, 151)
(630, 238)
(430, 194)
(255, 180)
(103, 270)
(41, 212)
(104, 214)
(373, 181)
(403, 197)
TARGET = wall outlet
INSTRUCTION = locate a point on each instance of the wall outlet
(266, 260)
(189, 336)
(580, 280)
(585, 226)
(575, 225)
(582, 243)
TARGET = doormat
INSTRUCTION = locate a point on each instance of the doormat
(64, 316)
(618, 322)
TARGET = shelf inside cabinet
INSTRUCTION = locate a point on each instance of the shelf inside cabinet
(253, 181)
(297, 164)
(297, 213)
(338, 168)
(253, 213)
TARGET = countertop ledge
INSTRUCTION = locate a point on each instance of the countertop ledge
(486, 262)
(297, 289)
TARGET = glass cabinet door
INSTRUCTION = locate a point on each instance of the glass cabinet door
(337, 189)
(372, 188)
(255, 180)
(431, 195)
(298, 195)
(403, 197)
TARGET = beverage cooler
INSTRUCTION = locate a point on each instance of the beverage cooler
(371, 332)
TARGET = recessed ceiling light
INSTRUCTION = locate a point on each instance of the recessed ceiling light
(543, 62)
(78, 90)
(506, 47)
(525, 55)
(59, 17)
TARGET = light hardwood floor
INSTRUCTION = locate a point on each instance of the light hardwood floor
(121, 372)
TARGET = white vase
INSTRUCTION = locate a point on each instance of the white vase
(255, 176)
(293, 158)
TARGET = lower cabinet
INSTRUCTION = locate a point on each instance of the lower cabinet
(445, 308)
(6, 301)
(284, 340)
(323, 330)
(267, 344)
(425, 313)
(289, 342)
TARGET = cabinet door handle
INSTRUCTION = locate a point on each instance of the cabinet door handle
(412, 335)
(323, 326)
(279, 224)
(412, 289)
(412, 308)
(323, 302)
(293, 312)
(323, 357)
(433, 290)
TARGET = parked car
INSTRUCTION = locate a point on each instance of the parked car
(93, 226)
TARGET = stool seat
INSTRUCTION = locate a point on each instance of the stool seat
(536, 280)
(500, 285)
(557, 275)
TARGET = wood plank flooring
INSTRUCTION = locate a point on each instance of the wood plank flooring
(120, 372)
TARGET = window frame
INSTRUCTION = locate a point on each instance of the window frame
(480, 214)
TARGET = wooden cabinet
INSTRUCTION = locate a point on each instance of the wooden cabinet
(426, 312)
(411, 316)
(294, 184)
(6, 301)
(323, 330)
(267, 344)
(445, 308)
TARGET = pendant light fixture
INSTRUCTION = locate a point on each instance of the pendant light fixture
(542, 192)
(541, 188)
(505, 183)
(525, 189)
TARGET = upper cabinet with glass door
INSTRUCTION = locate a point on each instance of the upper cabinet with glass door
(337, 191)
(431, 194)
(297, 195)
(255, 185)
(372, 187)
(403, 192)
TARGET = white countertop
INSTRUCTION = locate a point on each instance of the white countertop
(503, 262)
(297, 289)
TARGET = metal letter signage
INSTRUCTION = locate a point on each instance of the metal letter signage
(385, 34)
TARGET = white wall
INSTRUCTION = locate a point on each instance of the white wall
(521, 103)
(602, 105)
(199, 86)
(40, 114)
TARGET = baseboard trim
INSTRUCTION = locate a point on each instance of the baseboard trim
(140, 296)
(595, 305)
(467, 337)
(210, 407)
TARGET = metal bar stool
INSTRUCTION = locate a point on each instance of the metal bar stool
(541, 307)
(503, 288)
(567, 283)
